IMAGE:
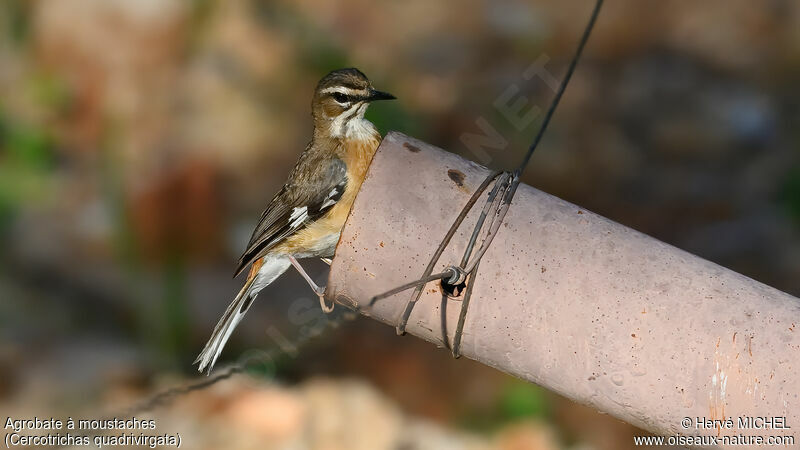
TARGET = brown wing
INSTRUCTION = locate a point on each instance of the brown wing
(315, 185)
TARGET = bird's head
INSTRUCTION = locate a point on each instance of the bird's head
(341, 97)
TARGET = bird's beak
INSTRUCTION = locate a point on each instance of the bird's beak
(379, 95)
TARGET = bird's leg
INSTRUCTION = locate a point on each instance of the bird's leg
(320, 291)
(317, 290)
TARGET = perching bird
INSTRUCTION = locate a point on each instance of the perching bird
(306, 216)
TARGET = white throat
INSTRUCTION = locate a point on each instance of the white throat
(351, 124)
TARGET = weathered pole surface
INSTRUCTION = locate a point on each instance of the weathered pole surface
(581, 305)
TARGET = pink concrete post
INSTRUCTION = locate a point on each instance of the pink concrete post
(586, 307)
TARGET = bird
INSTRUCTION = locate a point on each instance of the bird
(305, 218)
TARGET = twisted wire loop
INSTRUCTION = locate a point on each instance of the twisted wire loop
(426, 275)
(455, 347)
(494, 209)
(497, 205)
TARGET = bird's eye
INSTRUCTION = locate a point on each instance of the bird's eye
(339, 97)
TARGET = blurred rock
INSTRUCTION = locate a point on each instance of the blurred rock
(527, 436)
(119, 59)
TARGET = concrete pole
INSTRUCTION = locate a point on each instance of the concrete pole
(569, 300)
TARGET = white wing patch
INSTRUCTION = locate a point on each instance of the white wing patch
(299, 215)
(330, 200)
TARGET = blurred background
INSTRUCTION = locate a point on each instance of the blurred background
(140, 140)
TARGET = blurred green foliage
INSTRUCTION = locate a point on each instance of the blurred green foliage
(17, 15)
(391, 115)
(26, 157)
(521, 400)
(161, 327)
(517, 400)
(317, 52)
(320, 55)
(25, 146)
(790, 193)
(175, 326)
(48, 91)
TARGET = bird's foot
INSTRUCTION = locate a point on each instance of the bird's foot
(320, 291)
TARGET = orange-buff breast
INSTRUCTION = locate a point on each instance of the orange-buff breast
(357, 155)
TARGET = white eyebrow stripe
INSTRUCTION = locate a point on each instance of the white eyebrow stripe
(342, 90)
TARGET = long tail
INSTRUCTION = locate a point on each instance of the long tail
(263, 272)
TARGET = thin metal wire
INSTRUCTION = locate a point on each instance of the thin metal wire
(509, 195)
(454, 274)
(401, 326)
(459, 275)
(436, 255)
(550, 111)
(166, 396)
(466, 269)
(415, 283)
(462, 315)
(497, 220)
(554, 104)
(500, 184)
